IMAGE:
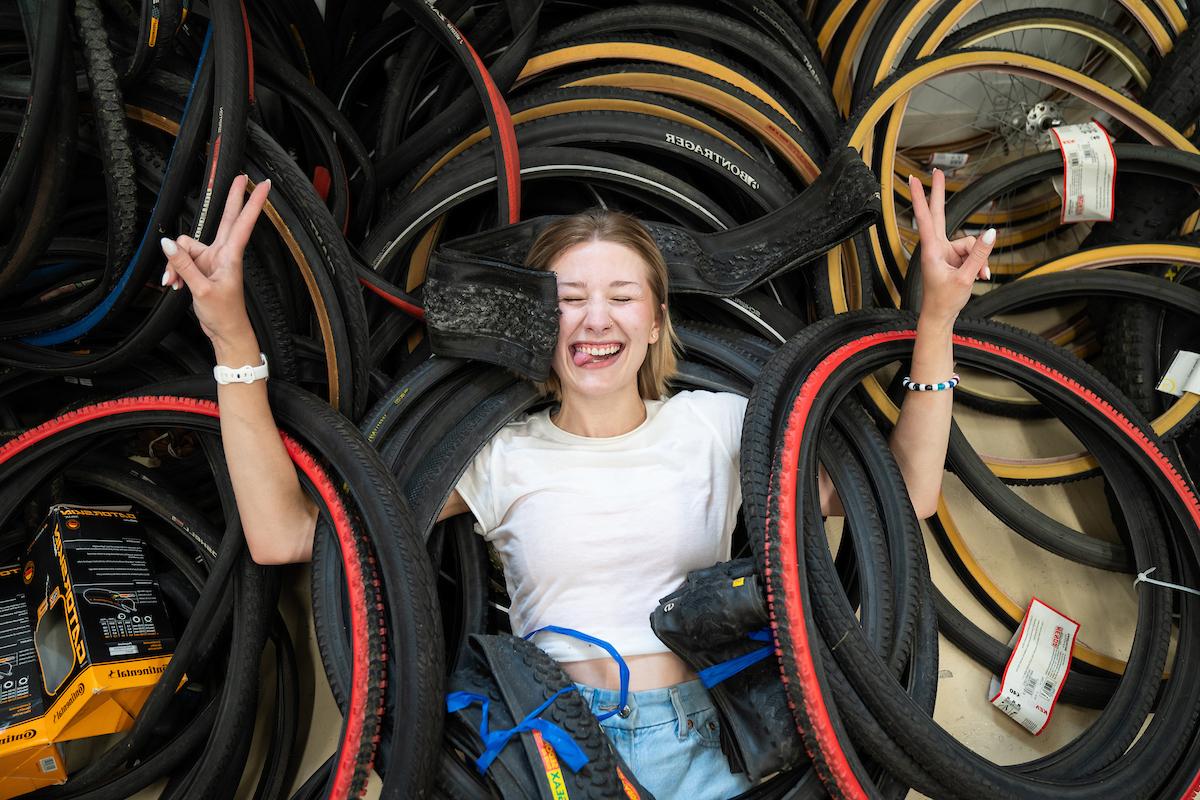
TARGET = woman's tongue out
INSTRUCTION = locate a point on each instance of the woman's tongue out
(580, 357)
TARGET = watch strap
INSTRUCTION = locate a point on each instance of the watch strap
(247, 373)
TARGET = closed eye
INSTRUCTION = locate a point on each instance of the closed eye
(622, 299)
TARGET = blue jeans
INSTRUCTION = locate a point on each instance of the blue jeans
(671, 740)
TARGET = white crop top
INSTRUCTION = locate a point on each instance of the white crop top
(593, 531)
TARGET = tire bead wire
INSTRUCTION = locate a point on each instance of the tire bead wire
(786, 592)
(356, 752)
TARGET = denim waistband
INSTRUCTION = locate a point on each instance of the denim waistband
(649, 706)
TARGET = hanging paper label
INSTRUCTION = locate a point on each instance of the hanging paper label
(948, 161)
(1037, 667)
(1183, 375)
(1089, 172)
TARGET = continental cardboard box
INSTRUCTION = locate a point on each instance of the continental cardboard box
(84, 636)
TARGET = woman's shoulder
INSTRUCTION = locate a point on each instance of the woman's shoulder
(720, 412)
(705, 401)
(524, 427)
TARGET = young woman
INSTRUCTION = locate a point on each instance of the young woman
(600, 504)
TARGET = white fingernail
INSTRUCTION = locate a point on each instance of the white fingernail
(164, 279)
(169, 247)
(175, 286)
(989, 236)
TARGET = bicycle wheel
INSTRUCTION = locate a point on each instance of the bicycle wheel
(920, 27)
(887, 249)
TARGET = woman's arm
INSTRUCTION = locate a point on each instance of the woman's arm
(948, 271)
(277, 516)
(454, 505)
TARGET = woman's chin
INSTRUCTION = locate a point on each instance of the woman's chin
(598, 383)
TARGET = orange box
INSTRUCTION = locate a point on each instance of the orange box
(30, 769)
(84, 637)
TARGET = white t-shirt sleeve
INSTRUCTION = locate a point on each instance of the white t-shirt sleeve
(734, 408)
(724, 412)
(475, 487)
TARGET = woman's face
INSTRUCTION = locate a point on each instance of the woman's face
(608, 318)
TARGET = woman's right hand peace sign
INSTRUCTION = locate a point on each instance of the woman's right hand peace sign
(213, 272)
(948, 268)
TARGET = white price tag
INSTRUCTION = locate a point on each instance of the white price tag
(1037, 667)
(948, 161)
(1089, 172)
(1183, 375)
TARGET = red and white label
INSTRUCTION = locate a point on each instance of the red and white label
(1089, 172)
(1037, 667)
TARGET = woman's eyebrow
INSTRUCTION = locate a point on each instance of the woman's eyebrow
(613, 285)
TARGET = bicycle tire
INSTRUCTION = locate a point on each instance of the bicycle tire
(808, 87)
(784, 138)
(890, 99)
(335, 437)
(982, 338)
(36, 226)
(715, 167)
(51, 31)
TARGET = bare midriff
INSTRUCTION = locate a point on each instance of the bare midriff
(649, 671)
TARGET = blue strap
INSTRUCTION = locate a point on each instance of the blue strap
(493, 742)
(622, 667)
(711, 676)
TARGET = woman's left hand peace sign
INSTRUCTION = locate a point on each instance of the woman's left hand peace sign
(948, 268)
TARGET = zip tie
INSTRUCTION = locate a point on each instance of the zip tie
(1141, 578)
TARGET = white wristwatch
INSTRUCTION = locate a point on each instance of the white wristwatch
(244, 374)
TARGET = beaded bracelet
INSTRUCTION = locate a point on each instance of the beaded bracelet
(913, 386)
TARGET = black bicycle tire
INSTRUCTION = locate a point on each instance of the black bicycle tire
(770, 88)
(1158, 162)
(314, 217)
(337, 438)
(51, 28)
(117, 161)
(763, 187)
(380, 246)
(775, 120)
(40, 217)
(800, 78)
(992, 330)
(619, 96)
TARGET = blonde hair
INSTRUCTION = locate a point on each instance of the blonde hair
(603, 225)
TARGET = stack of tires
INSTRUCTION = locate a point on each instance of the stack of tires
(779, 132)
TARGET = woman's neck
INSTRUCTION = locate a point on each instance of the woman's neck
(600, 416)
